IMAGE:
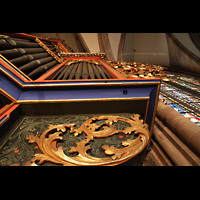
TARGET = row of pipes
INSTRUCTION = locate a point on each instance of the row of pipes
(177, 136)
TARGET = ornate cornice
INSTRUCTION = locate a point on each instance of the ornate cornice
(102, 55)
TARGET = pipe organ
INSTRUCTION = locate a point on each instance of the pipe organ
(60, 107)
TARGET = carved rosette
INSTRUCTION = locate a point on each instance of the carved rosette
(48, 139)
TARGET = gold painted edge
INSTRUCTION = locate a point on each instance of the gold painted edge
(81, 84)
(154, 115)
(6, 108)
(2, 91)
(92, 84)
(8, 116)
(60, 60)
(15, 69)
(81, 100)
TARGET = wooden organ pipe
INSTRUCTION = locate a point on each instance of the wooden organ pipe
(185, 129)
(173, 153)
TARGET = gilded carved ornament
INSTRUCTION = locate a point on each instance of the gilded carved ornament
(51, 153)
(60, 60)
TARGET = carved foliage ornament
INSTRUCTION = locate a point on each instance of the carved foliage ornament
(48, 139)
(102, 55)
(60, 60)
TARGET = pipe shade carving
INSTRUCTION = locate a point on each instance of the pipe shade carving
(47, 142)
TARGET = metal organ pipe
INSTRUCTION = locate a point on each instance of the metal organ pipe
(35, 63)
(79, 71)
(27, 55)
(91, 72)
(96, 71)
(33, 60)
(42, 69)
(72, 74)
(100, 71)
(85, 71)
(68, 71)
(27, 58)
(63, 72)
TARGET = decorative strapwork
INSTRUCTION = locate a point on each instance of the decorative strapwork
(47, 142)
(60, 60)
(62, 43)
(58, 49)
(102, 55)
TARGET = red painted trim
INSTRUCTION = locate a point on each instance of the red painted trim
(4, 107)
(33, 37)
(144, 79)
(58, 43)
(83, 58)
(14, 72)
(7, 112)
(89, 80)
(27, 36)
(118, 76)
(76, 80)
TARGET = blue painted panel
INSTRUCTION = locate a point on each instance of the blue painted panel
(86, 82)
(86, 92)
(151, 106)
(83, 92)
(1, 120)
(13, 75)
(9, 86)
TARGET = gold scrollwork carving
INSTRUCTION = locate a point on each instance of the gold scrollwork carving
(102, 55)
(81, 60)
(60, 60)
(48, 139)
